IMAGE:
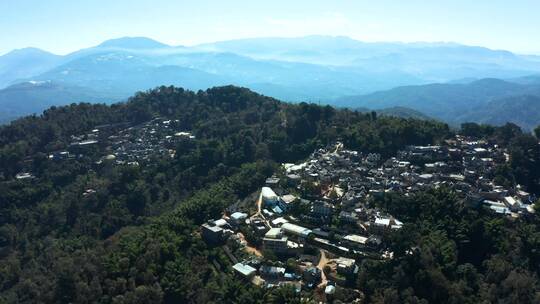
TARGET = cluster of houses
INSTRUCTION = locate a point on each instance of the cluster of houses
(321, 207)
(127, 144)
(122, 144)
(157, 137)
(466, 165)
(325, 255)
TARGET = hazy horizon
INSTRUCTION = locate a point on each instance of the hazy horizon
(267, 37)
(80, 25)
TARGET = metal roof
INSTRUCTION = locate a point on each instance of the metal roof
(295, 229)
(244, 269)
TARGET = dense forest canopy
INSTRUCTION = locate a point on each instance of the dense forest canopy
(132, 239)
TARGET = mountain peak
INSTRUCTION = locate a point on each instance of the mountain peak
(491, 82)
(28, 51)
(133, 43)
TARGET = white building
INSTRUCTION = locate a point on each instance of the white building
(296, 230)
(244, 270)
(269, 197)
(275, 241)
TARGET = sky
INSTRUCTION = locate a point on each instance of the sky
(63, 26)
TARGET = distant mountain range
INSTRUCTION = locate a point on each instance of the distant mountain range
(25, 63)
(488, 100)
(313, 69)
(31, 97)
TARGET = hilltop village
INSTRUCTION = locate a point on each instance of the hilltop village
(312, 222)
(122, 144)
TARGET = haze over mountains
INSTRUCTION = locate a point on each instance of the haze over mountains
(314, 68)
(489, 100)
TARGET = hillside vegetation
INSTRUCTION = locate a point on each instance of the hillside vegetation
(132, 241)
(134, 238)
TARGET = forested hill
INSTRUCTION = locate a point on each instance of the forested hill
(288, 131)
(85, 229)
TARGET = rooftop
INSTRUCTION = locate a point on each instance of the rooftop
(273, 233)
(295, 229)
(244, 269)
(356, 238)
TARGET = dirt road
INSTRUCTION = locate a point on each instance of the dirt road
(248, 248)
(322, 262)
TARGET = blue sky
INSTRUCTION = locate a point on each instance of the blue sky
(62, 26)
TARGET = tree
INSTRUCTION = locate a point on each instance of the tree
(537, 132)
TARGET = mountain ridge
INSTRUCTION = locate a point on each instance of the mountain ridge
(133, 43)
(312, 68)
(451, 102)
(24, 63)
